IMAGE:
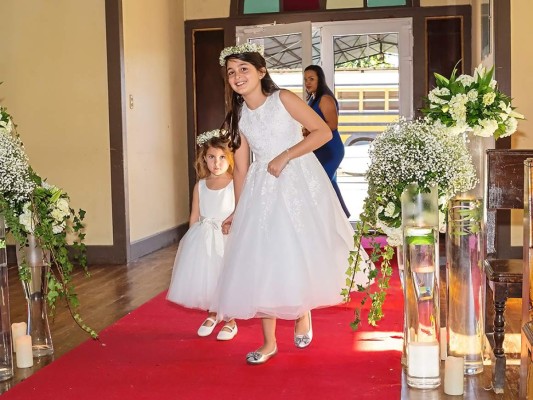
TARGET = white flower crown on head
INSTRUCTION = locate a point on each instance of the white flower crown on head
(242, 48)
(207, 136)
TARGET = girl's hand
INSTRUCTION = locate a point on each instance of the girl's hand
(278, 164)
(226, 224)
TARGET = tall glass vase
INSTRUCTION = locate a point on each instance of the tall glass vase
(6, 345)
(465, 282)
(465, 250)
(35, 290)
(401, 273)
(420, 222)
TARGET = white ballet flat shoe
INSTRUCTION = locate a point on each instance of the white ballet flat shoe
(204, 330)
(227, 334)
(256, 358)
(302, 341)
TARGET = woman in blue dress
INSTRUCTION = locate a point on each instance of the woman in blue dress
(321, 99)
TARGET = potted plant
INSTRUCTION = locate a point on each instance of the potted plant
(406, 152)
(38, 212)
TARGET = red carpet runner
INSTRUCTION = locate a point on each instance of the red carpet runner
(154, 353)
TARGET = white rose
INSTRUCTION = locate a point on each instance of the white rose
(466, 80)
(389, 210)
(488, 98)
(62, 204)
(510, 127)
(472, 95)
(26, 220)
(57, 215)
(58, 228)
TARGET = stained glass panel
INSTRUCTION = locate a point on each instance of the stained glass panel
(260, 6)
(385, 3)
(338, 4)
(301, 5)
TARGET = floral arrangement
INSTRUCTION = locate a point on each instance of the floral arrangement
(471, 103)
(242, 48)
(31, 206)
(205, 137)
(406, 152)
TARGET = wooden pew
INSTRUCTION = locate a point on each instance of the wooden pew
(526, 371)
(504, 271)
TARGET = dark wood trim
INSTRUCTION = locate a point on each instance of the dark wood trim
(237, 6)
(158, 241)
(418, 15)
(117, 129)
(502, 66)
(502, 54)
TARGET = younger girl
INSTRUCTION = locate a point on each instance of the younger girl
(199, 258)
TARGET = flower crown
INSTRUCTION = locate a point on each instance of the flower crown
(207, 136)
(242, 48)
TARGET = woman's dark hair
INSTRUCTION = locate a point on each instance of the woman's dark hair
(322, 87)
(234, 101)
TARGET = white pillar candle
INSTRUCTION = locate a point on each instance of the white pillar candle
(423, 359)
(453, 375)
(24, 351)
(17, 329)
(443, 344)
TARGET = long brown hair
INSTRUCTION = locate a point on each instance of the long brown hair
(234, 101)
(200, 165)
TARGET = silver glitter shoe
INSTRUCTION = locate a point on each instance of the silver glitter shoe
(256, 358)
(302, 341)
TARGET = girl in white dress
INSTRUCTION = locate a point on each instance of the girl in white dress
(290, 239)
(199, 257)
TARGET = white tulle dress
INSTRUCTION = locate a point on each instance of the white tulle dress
(290, 239)
(199, 258)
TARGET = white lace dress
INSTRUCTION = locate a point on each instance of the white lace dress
(199, 257)
(290, 240)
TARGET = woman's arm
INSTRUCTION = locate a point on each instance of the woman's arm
(329, 110)
(195, 206)
(319, 132)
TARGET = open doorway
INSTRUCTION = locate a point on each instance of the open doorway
(368, 65)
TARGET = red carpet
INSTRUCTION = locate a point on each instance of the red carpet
(154, 353)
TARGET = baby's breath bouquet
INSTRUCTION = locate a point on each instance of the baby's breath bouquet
(31, 206)
(471, 103)
(406, 152)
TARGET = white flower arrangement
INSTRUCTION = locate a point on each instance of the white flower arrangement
(413, 152)
(242, 48)
(203, 138)
(471, 103)
(31, 206)
(58, 209)
(15, 182)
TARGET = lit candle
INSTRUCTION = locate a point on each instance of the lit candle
(17, 329)
(453, 375)
(443, 343)
(423, 359)
(24, 351)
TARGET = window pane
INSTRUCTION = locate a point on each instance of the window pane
(385, 3)
(260, 6)
(301, 5)
(283, 55)
(335, 4)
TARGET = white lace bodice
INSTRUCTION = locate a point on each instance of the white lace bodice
(269, 129)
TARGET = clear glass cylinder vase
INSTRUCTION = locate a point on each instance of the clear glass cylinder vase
(35, 290)
(465, 282)
(420, 222)
(401, 273)
(6, 338)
